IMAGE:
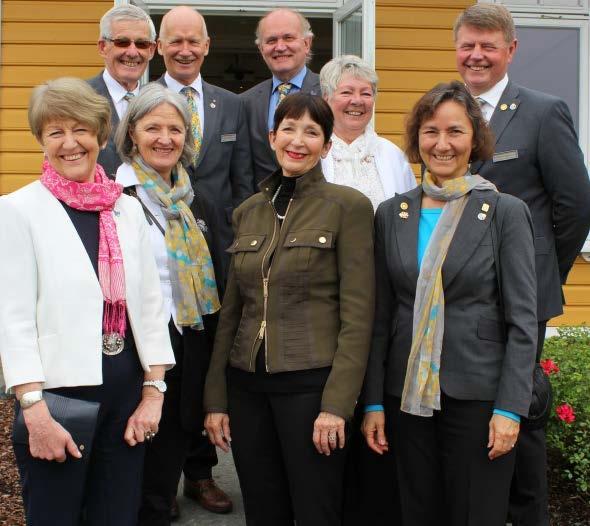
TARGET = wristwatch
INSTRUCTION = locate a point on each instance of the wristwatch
(31, 398)
(160, 385)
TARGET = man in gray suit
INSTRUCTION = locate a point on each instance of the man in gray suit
(127, 43)
(283, 37)
(537, 158)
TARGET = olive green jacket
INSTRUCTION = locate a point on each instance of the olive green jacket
(305, 288)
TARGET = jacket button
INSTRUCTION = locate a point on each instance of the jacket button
(253, 243)
(322, 240)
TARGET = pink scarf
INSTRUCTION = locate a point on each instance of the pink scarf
(99, 196)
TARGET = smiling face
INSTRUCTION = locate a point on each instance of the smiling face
(127, 64)
(483, 57)
(159, 138)
(299, 144)
(71, 149)
(446, 141)
(282, 45)
(182, 44)
(352, 104)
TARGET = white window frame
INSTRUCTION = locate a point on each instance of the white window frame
(368, 29)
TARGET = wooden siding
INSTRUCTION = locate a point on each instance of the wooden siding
(40, 40)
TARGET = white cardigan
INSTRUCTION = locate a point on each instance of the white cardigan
(393, 168)
(52, 303)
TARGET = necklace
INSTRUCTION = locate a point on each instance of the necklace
(281, 217)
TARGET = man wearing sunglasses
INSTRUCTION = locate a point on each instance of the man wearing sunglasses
(127, 43)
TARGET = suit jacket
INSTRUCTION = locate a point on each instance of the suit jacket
(51, 329)
(223, 172)
(108, 158)
(539, 161)
(489, 346)
(256, 101)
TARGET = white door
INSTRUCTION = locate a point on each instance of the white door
(354, 30)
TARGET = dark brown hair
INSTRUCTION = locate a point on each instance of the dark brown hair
(297, 105)
(483, 140)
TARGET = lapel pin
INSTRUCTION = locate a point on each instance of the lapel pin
(481, 216)
(404, 215)
(485, 207)
(513, 106)
(504, 107)
(212, 105)
(403, 205)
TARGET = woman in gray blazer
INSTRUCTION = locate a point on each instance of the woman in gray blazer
(453, 347)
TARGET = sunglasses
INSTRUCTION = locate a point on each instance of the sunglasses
(126, 42)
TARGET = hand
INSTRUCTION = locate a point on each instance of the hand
(48, 440)
(328, 433)
(373, 428)
(503, 435)
(145, 418)
(217, 426)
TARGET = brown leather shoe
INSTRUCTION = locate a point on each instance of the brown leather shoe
(208, 495)
(174, 510)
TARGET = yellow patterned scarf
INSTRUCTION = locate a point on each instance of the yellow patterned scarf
(191, 269)
(421, 394)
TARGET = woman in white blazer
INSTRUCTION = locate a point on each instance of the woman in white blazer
(82, 317)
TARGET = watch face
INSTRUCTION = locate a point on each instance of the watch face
(161, 386)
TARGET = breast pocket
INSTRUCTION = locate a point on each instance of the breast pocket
(309, 249)
(246, 252)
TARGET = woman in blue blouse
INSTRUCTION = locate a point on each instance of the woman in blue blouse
(453, 348)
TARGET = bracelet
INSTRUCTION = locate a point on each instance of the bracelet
(30, 399)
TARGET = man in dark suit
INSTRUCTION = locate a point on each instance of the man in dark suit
(283, 37)
(127, 43)
(221, 173)
(537, 158)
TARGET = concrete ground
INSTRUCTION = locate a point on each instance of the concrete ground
(191, 514)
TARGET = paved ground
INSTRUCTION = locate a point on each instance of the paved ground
(225, 475)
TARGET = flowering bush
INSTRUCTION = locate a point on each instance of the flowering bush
(567, 363)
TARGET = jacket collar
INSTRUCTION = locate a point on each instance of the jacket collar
(305, 184)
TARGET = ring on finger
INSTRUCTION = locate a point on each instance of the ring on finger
(331, 436)
(149, 435)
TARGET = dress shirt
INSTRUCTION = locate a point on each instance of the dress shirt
(197, 84)
(117, 93)
(296, 82)
(491, 98)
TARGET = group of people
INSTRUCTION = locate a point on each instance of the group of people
(262, 272)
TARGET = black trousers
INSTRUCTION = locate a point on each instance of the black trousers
(200, 460)
(282, 476)
(446, 478)
(181, 423)
(529, 497)
(103, 490)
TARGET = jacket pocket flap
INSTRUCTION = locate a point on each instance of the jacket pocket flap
(247, 243)
(491, 330)
(310, 238)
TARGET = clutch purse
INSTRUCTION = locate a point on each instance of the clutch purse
(541, 402)
(77, 417)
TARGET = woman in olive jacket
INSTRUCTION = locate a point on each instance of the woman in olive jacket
(292, 341)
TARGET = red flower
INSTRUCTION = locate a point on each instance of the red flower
(549, 366)
(565, 412)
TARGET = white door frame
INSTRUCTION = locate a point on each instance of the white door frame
(368, 21)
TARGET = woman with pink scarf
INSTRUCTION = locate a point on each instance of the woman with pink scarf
(82, 318)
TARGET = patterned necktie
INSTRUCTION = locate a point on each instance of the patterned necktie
(482, 104)
(284, 89)
(128, 96)
(190, 93)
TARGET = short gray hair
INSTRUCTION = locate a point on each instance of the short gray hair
(333, 71)
(149, 98)
(306, 31)
(124, 12)
(490, 17)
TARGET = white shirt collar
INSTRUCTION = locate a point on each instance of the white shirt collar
(176, 86)
(126, 176)
(492, 96)
(116, 91)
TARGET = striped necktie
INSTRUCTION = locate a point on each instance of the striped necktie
(190, 93)
(284, 89)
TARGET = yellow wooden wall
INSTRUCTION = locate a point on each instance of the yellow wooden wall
(40, 40)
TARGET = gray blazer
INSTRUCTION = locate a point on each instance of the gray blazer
(108, 158)
(223, 172)
(539, 161)
(256, 101)
(488, 349)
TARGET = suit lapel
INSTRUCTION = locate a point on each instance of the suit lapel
(469, 233)
(406, 230)
(311, 84)
(104, 91)
(211, 115)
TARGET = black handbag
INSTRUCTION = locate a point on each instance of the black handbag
(542, 396)
(78, 417)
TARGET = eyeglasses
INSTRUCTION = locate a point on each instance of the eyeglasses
(126, 42)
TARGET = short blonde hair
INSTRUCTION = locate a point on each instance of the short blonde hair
(487, 17)
(69, 98)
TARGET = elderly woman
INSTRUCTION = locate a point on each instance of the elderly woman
(85, 320)
(359, 157)
(293, 336)
(152, 141)
(454, 340)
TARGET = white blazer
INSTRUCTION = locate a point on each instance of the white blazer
(393, 168)
(52, 304)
